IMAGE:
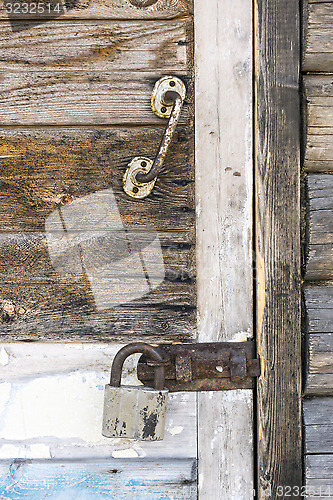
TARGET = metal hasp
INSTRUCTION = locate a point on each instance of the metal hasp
(166, 102)
(216, 366)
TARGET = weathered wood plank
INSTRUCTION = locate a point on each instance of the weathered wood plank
(319, 330)
(105, 9)
(63, 312)
(91, 153)
(319, 476)
(43, 172)
(318, 42)
(318, 425)
(277, 175)
(155, 46)
(43, 169)
(46, 388)
(319, 150)
(224, 228)
(319, 265)
(92, 480)
(69, 97)
(319, 123)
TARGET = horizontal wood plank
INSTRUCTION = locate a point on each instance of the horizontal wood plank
(69, 97)
(318, 43)
(319, 264)
(63, 312)
(319, 150)
(103, 9)
(318, 423)
(155, 46)
(318, 91)
(42, 169)
(139, 479)
(319, 330)
(319, 476)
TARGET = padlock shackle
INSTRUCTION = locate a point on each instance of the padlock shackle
(140, 347)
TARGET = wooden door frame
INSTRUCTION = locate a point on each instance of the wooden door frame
(224, 199)
(277, 230)
(221, 31)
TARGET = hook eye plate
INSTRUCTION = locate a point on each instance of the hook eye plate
(134, 188)
(160, 107)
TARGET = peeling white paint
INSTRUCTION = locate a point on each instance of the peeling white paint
(176, 430)
(10, 451)
(4, 358)
(65, 406)
(128, 453)
(52, 396)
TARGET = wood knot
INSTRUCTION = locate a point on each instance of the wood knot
(143, 3)
(9, 311)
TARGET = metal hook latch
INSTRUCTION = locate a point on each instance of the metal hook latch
(166, 102)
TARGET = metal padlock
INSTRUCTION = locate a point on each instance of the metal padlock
(135, 412)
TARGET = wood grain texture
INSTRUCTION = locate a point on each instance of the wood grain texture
(319, 476)
(277, 202)
(319, 265)
(319, 330)
(43, 170)
(161, 46)
(319, 150)
(224, 233)
(318, 425)
(318, 40)
(108, 9)
(93, 480)
(69, 97)
(318, 94)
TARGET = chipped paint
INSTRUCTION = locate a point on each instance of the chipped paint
(176, 430)
(4, 358)
(126, 453)
(10, 451)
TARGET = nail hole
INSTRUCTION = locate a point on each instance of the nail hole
(143, 164)
(172, 83)
(219, 368)
(135, 190)
(163, 109)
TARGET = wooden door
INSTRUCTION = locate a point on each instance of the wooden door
(75, 109)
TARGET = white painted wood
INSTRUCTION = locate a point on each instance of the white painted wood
(51, 404)
(223, 62)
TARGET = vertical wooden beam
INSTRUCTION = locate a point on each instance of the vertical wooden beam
(277, 196)
(224, 173)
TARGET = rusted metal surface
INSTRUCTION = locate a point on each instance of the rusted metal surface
(205, 367)
(149, 351)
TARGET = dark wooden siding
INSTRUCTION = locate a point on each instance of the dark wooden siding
(318, 246)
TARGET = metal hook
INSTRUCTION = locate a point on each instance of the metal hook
(167, 102)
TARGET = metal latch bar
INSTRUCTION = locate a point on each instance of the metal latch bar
(205, 367)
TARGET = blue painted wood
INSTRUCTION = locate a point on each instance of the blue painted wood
(107, 479)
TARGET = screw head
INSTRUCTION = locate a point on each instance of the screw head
(164, 110)
(172, 83)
